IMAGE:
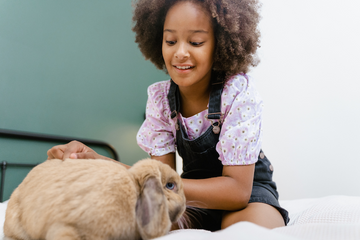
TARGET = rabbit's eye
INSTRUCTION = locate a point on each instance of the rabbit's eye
(170, 185)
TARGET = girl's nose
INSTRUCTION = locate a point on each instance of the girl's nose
(182, 52)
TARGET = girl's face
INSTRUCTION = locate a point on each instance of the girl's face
(188, 45)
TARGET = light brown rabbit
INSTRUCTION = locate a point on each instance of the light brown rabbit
(95, 199)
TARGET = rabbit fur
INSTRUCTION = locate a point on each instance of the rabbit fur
(95, 199)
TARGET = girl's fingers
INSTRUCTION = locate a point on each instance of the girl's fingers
(86, 155)
(74, 147)
(74, 150)
(56, 152)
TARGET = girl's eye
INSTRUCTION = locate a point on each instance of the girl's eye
(170, 42)
(170, 185)
(196, 43)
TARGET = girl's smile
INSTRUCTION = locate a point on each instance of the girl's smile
(188, 45)
(183, 69)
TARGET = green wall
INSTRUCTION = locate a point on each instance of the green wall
(71, 68)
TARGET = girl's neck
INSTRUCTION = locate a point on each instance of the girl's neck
(194, 100)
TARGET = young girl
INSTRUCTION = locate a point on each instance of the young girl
(209, 111)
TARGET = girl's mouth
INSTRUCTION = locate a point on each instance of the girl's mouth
(184, 67)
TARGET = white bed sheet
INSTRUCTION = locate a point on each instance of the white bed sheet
(327, 218)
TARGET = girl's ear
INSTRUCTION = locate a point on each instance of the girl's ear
(152, 215)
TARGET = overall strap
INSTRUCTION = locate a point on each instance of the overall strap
(214, 111)
(173, 98)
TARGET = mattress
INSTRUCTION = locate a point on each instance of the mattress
(329, 218)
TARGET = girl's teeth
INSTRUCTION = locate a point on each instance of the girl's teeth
(185, 67)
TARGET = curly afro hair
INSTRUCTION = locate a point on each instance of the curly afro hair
(235, 25)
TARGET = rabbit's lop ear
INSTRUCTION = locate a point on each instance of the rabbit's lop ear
(152, 214)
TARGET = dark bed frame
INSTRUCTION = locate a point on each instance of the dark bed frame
(44, 138)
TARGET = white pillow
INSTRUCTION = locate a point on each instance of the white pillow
(330, 209)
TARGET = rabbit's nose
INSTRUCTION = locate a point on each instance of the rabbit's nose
(176, 213)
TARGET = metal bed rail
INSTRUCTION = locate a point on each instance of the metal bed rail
(44, 138)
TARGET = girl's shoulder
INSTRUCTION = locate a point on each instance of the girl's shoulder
(157, 97)
(240, 93)
(240, 85)
(159, 89)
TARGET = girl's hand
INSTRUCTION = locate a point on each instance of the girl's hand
(74, 150)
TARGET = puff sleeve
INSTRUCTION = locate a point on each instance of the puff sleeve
(240, 136)
(156, 135)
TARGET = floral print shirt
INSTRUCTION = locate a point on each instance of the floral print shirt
(240, 136)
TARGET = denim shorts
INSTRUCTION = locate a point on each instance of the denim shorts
(263, 191)
(210, 219)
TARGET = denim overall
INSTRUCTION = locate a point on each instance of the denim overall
(201, 160)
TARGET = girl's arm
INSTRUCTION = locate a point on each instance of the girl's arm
(228, 192)
(231, 191)
(168, 159)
